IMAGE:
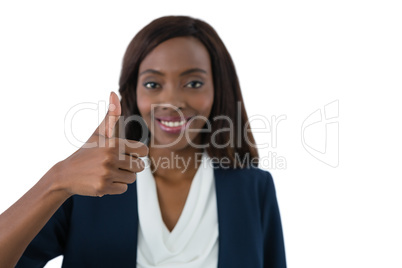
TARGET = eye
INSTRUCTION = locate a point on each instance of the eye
(151, 85)
(195, 84)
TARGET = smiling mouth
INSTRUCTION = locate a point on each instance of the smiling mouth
(172, 124)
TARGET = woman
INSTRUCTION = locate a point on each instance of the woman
(198, 199)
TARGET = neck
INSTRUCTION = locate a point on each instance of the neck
(175, 165)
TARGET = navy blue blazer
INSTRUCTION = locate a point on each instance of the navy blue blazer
(102, 232)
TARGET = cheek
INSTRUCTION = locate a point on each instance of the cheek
(143, 104)
(203, 103)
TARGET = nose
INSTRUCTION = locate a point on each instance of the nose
(172, 98)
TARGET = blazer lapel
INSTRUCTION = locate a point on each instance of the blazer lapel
(227, 227)
(238, 228)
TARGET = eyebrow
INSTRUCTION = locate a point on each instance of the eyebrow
(192, 70)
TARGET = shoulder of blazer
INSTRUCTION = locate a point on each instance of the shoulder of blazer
(251, 178)
(246, 202)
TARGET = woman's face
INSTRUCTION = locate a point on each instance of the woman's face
(175, 84)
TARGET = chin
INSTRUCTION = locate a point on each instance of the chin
(174, 144)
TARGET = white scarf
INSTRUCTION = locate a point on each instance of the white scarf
(194, 240)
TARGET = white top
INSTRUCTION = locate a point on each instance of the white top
(193, 242)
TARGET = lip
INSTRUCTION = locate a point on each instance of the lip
(172, 118)
(173, 130)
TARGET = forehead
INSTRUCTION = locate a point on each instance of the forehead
(176, 55)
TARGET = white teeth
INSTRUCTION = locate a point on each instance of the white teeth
(173, 124)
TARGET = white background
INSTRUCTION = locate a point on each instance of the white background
(292, 58)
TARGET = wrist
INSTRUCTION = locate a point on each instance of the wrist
(54, 182)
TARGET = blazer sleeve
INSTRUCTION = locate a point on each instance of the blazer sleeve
(274, 248)
(50, 241)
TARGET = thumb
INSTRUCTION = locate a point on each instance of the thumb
(113, 114)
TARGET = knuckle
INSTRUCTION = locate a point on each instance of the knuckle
(135, 154)
(132, 178)
(137, 165)
(100, 190)
(106, 164)
(142, 164)
(143, 150)
(122, 189)
(104, 170)
(137, 148)
(109, 159)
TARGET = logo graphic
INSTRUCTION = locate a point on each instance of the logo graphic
(320, 134)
